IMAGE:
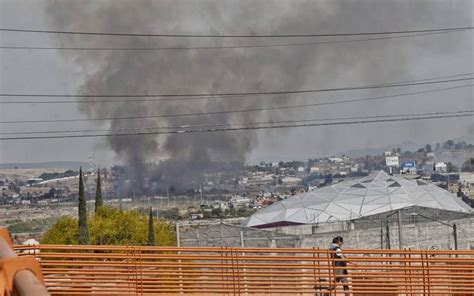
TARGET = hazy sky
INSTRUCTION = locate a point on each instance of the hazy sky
(371, 62)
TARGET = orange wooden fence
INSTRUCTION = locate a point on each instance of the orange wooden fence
(115, 270)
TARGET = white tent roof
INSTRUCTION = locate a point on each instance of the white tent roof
(349, 200)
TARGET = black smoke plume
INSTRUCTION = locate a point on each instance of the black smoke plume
(230, 70)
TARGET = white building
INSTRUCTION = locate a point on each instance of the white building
(291, 180)
(237, 201)
(441, 167)
(336, 159)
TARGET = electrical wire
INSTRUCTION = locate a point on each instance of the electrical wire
(230, 36)
(235, 123)
(173, 48)
(201, 96)
(236, 111)
(236, 128)
(155, 100)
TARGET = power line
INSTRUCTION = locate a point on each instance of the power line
(237, 111)
(200, 96)
(233, 124)
(237, 128)
(173, 48)
(158, 100)
(430, 78)
(232, 36)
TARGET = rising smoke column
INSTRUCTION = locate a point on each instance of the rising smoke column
(232, 70)
(129, 72)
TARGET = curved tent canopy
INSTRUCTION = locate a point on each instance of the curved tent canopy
(375, 194)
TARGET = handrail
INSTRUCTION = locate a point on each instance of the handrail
(84, 270)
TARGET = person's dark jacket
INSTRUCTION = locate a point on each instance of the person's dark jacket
(339, 262)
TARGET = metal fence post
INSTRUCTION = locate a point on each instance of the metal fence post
(455, 234)
(400, 235)
(178, 239)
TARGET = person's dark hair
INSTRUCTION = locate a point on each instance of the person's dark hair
(337, 239)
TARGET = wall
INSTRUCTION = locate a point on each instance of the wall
(415, 236)
(224, 235)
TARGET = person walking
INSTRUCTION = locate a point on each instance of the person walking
(340, 263)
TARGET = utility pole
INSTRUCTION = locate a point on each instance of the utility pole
(400, 237)
(381, 234)
(178, 242)
(455, 234)
(200, 190)
(134, 197)
(387, 229)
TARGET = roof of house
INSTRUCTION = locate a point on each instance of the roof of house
(371, 195)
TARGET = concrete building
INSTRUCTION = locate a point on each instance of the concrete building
(441, 167)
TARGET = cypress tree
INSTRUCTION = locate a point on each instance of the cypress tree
(99, 200)
(151, 229)
(83, 230)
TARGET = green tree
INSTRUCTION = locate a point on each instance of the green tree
(428, 148)
(99, 200)
(449, 144)
(451, 168)
(468, 165)
(217, 213)
(83, 229)
(151, 229)
(52, 193)
(245, 212)
(65, 231)
(170, 214)
(113, 226)
(14, 186)
(460, 145)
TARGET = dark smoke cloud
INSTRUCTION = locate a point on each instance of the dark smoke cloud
(231, 70)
